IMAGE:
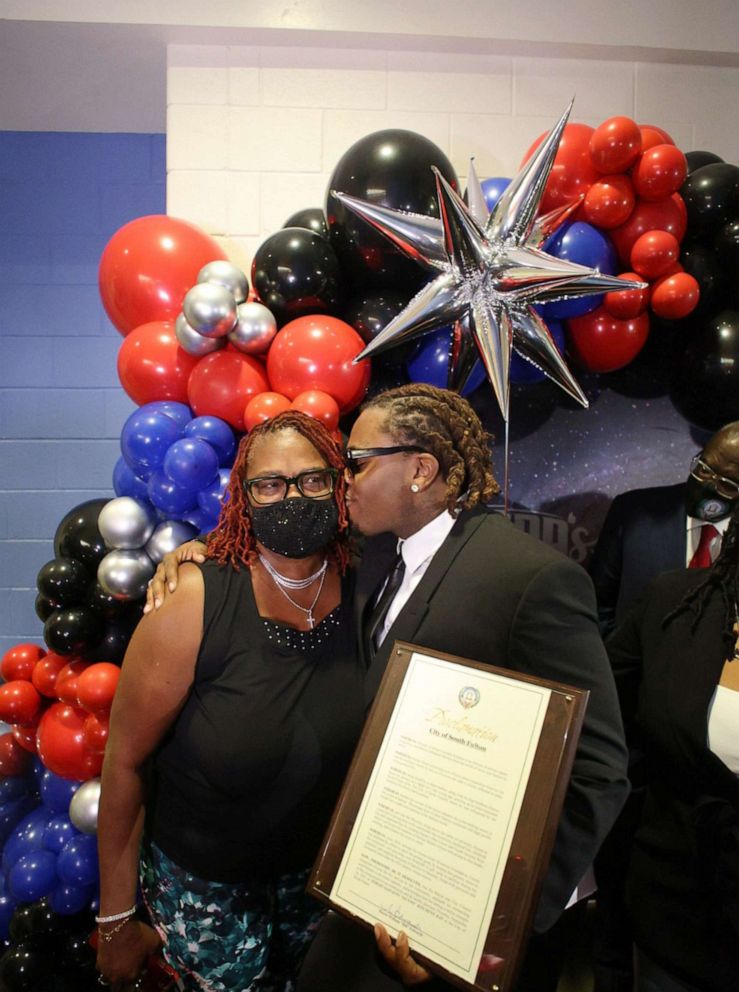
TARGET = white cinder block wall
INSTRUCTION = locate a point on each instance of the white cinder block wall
(253, 134)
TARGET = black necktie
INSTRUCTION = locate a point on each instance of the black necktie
(376, 619)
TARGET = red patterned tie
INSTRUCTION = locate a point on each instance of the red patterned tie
(702, 556)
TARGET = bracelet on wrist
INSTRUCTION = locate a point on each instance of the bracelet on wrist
(117, 916)
(107, 935)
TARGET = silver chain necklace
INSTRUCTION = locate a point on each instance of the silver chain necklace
(283, 584)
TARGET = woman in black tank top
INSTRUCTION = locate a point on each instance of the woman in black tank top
(241, 698)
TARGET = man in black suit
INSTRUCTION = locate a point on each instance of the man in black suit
(649, 531)
(472, 585)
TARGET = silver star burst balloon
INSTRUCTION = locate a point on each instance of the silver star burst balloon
(489, 276)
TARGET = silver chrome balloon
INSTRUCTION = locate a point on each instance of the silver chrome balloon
(126, 522)
(192, 342)
(491, 276)
(124, 574)
(83, 809)
(228, 275)
(210, 309)
(255, 328)
(168, 536)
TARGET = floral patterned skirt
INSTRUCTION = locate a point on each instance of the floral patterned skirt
(229, 938)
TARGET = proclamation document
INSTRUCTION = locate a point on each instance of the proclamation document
(433, 834)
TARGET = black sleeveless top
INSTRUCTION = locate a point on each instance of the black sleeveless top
(248, 775)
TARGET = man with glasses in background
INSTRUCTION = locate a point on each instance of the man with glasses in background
(649, 531)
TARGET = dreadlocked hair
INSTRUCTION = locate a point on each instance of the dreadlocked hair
(722, 576)
(444, 424)
(232, 542)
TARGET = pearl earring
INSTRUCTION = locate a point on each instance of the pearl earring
(414, 487)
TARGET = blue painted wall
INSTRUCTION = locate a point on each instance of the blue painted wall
(62, 196)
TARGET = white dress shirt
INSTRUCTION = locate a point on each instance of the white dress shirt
(416, 551)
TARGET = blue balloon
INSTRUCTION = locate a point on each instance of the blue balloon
(12, 812)
(179, 412)
(522, 371)
(191, 463)
(26, 837)
(59, 830)
(13, 787)
(429, 362)
(33, 876)
(57, 792)
(145, 439)
(586, 245)
(217, 433)
(70, 899)
(169, 497)
(78, 861)
(37, 771)
(7, 908)
(126, 482)
(493, 189)
(200, 519)
(212, 497)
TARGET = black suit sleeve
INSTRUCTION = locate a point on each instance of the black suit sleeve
(606, 566)
(555, 635)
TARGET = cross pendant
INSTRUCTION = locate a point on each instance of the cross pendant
(310, 619)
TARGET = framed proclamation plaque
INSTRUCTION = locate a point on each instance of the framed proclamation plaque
(447, 818)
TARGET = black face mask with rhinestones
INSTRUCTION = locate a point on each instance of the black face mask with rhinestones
(296, 527)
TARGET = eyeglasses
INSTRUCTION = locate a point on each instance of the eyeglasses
(354, 455)
(728, 488)
(313, 483)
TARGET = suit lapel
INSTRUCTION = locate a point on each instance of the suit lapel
(377, 555)
(414, 611)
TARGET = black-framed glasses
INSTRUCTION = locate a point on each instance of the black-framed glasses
(354, 455)
(315, 483)
(728, 488)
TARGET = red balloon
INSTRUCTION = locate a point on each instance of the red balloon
(609, 201)
(652, 135)
(615, 144)
(67, 681)
(96, 686)
(659, 215)
(264, 406)
(316, 352)
(26, 736)
(601, 343)
(654, 253)
(573, 172)
(222, 383)
(19, 661)
(660, 171)
(319, 405)
(45, 672)
(61, 743)
(675, 296)
(152, 366)
(14, 759)
(630, 303)
(148, 266)
(19, 702)
(95, 732)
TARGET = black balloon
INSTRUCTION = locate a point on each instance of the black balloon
(705, 381)
(392, 169)
(114, 639)
(295, 272)
(73, 631)
(370, 311)
(711, 196)
(707, 268)
(77, 536)
(726, 247)
(35, 918)
(697, 159)
(312, 217)
(63, 580)
(106, 607)
(45, 607)
(26, 967)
